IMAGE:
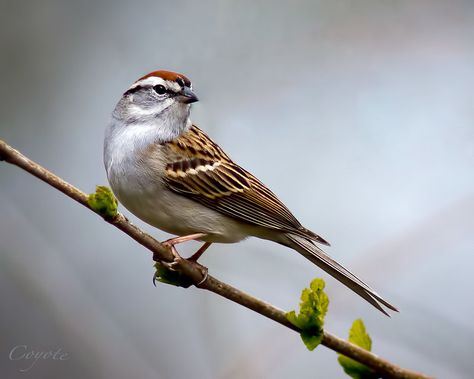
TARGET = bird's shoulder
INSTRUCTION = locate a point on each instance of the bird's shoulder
(194, 143)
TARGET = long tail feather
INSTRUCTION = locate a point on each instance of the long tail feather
(312, 252)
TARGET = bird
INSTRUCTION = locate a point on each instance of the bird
(169, 173)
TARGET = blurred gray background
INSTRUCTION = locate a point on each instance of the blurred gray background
(359, 115)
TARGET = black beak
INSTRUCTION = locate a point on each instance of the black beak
(187, 96)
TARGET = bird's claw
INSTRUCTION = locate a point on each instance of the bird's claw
(204, 271)
(169, 272)
(177, 259)
(155, 276)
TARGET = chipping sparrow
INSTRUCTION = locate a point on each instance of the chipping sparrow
(170, 174)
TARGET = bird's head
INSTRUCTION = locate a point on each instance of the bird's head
(161, 98)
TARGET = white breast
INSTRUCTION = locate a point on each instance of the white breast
(137, 182)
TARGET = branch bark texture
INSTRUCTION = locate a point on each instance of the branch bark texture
(382, 366)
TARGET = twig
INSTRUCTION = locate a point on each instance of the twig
(192, 271)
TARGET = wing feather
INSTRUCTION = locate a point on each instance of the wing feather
(203, 172)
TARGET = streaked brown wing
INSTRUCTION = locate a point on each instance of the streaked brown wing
(207, 178)
(204, 173)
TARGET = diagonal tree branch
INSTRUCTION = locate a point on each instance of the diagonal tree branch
(196, 275)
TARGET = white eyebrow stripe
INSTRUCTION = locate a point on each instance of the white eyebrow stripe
(155, 80)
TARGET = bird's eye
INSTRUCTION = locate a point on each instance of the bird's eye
(160, 89)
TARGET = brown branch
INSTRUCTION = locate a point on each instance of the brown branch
(192, 271)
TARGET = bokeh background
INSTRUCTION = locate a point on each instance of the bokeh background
(359, 115)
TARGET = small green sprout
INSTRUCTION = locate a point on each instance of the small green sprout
(103, 202)
(358, 336)
(313, 307)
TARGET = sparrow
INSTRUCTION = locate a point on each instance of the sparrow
(170, 174)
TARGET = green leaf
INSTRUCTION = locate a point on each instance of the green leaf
(103, 202)
(358, 336)
(310, 319)
(164, 275)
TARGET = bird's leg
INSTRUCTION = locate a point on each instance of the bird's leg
(181, 239)
(200, 252)
(175, 241)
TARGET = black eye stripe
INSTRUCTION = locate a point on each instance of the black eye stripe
(160, 89)
(133, 90)
(139, 88)
(180, 82)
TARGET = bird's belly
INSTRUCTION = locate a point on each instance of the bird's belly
(178, 215)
